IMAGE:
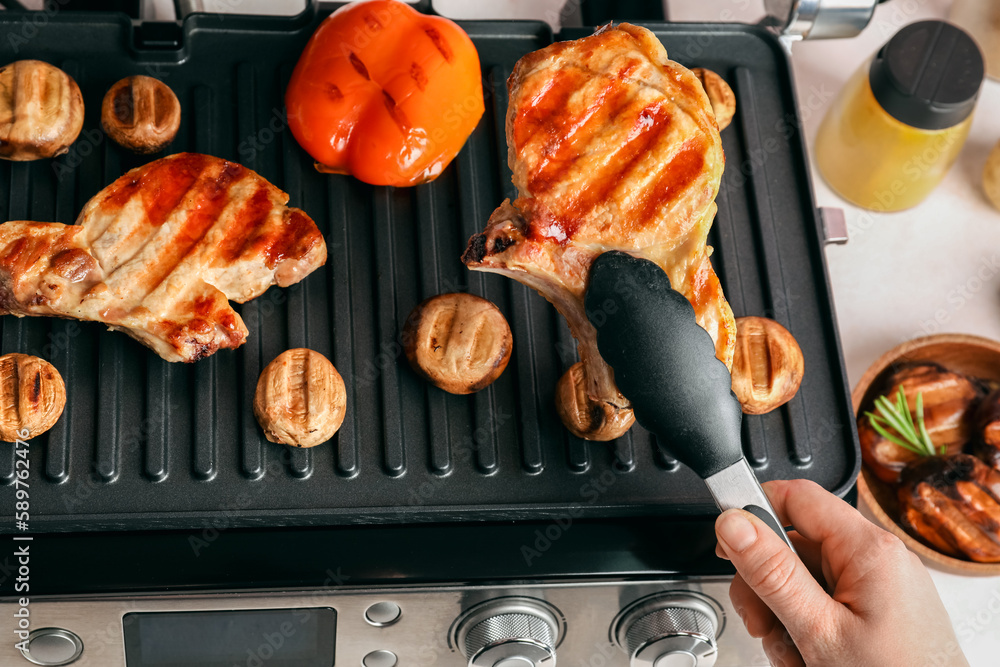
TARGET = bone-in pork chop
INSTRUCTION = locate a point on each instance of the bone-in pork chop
(159, 254)
(613, 147)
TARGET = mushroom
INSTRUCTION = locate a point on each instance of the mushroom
(719, 94)
(32, 396)
(141, 114)
(953, 504)
(767, 365)
(300, 399)
(460, 342)
(986, 444)
(585, 417)
(950, 401)
(41, 111)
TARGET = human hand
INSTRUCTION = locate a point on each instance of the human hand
(855, 596)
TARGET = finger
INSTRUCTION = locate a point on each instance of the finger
(778, 577)
(811, 554)
(781, 650)
(758, 619)
(815, 513)
(820, 516)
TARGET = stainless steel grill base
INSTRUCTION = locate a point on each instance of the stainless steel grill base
(425, 634)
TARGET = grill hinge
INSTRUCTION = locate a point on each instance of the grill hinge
(833, 225)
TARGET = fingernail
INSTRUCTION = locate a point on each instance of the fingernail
(736, 531)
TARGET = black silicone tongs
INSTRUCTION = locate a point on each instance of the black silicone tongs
(665, 364)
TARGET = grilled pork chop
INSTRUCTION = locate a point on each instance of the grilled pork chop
(613, 147)
(159, 254)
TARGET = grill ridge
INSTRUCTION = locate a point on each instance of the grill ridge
(158, 433)
(144, 431)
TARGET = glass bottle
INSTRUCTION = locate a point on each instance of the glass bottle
(902, 119)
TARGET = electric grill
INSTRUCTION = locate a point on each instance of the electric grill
(478, 523)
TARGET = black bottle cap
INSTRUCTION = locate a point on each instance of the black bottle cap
(928, 75)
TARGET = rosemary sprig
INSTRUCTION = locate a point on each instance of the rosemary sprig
(897, 417)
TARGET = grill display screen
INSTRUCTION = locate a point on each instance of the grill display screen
(271, 637)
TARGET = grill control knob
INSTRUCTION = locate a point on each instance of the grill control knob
(509, 632)
(670, 630)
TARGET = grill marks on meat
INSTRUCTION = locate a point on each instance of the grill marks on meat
(613, 147)
(160, 253)
(953, 503)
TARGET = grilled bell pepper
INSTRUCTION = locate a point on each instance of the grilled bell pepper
(385, 93)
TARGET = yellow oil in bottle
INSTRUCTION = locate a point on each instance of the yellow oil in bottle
(902, 119)
(877, 162)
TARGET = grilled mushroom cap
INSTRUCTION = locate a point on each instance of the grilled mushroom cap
(767, 365)
(720, 95)
(460, 342)
(141, 114)
(41, 111)
(585, 417)
(300, 399)
(986, 443)
(32, 396)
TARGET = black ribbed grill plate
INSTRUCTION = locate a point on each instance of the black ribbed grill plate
(147, 444)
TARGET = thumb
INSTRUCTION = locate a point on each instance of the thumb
(778, 577)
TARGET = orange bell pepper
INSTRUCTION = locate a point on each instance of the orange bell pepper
(385, 93)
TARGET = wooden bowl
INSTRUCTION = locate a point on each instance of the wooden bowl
(961, 353)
